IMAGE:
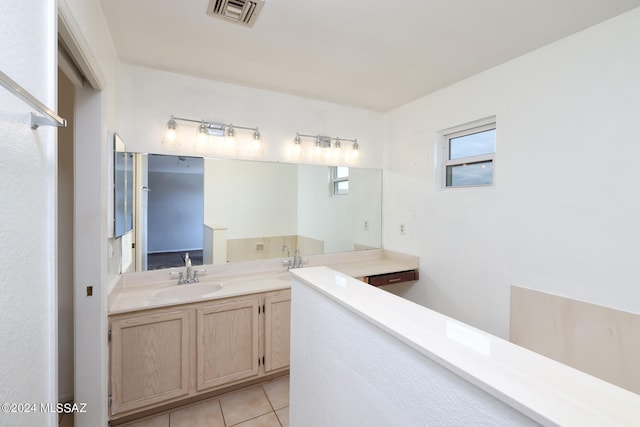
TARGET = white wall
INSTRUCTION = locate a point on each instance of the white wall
(149, 97)
(563, 214)
(28, 360)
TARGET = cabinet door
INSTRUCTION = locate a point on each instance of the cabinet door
(227, 342)
(277, 329)
(149, 360)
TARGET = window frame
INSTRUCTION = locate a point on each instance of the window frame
(335, 180)
(463, 130)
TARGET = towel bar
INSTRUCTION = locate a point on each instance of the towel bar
(50, 119)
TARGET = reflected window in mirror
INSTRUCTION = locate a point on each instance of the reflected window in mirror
(339, 180)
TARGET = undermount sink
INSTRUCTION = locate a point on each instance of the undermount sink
(189, 291)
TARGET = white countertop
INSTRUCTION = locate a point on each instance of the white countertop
(545, 390)
(140, 291)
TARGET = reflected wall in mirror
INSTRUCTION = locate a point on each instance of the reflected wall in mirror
(174, 210)
(249, 210)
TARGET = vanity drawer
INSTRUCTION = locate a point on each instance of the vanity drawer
(391, 278)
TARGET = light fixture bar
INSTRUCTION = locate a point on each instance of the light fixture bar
(214, 126)
(333, 148)
(326, 138)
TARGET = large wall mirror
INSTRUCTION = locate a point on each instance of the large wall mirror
(228, 210)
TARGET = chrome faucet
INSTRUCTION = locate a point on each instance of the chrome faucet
(187, 264)
(296, 262)
(297, 259)
(190, 275)
(287, 261)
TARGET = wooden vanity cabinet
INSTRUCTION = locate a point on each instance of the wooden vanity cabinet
(149, 359)
(277, 329)
(164, 355)
(228, 337)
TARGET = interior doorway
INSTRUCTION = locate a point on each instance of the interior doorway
(65, 241)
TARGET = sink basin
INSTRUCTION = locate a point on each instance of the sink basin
(194, 290)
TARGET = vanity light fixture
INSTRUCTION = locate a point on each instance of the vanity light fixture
(332, 147)
(207, 128)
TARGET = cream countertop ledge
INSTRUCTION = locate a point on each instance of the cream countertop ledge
(543, 389)
(138, 291)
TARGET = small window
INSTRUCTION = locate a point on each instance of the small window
(470, 156)
(340, 180)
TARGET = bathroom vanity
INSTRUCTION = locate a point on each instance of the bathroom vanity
(172, 344)
(162, 355)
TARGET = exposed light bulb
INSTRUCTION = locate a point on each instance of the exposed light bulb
(171, 134)
(355, 152)
(297, 145)
(337, 149)
(230, 140)
(203, 133)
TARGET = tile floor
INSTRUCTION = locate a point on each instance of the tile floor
(263, 405)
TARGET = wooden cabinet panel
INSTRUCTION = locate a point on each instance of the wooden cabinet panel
(277, 330)
(149, 359)
(227, 342)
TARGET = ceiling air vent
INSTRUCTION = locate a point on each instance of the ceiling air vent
(243, 12)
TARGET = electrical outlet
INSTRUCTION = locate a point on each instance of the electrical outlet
(366, 225)
(403, 229)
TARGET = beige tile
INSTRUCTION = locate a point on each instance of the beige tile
(244, 404)
(267, 420)
(283, 416)
(159, 421)
(204, 414)
(278, 392)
